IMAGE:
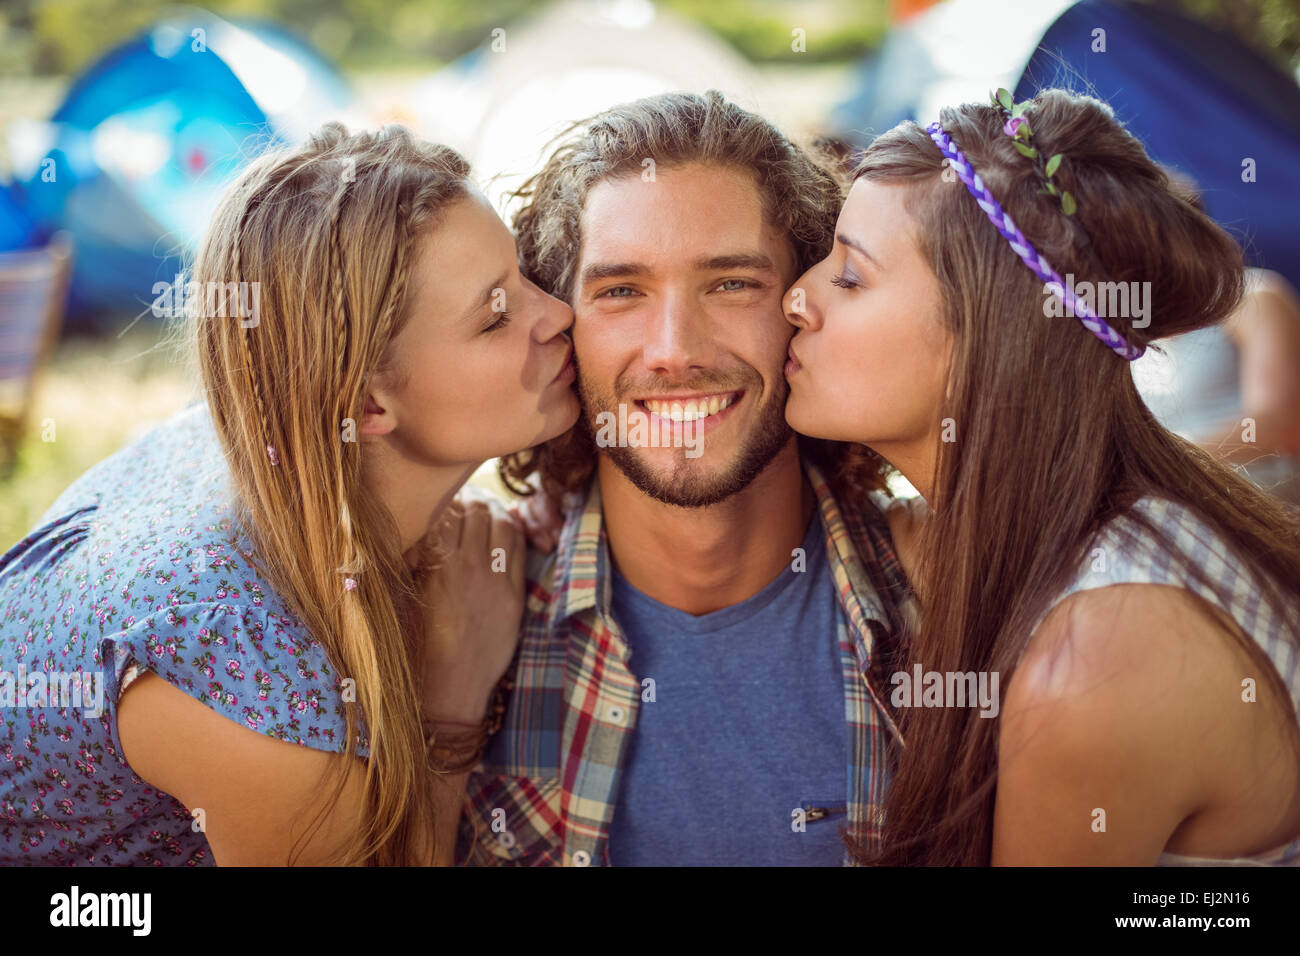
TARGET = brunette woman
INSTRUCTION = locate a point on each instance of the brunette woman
(1137, 598)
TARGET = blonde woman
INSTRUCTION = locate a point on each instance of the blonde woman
(265, 633)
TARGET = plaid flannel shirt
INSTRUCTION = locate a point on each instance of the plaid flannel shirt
(545, 791)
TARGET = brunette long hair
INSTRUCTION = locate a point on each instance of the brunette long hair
(1053, 439)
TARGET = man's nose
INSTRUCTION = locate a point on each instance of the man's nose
(677, 339)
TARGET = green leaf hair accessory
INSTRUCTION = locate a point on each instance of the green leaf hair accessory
(1021, 133)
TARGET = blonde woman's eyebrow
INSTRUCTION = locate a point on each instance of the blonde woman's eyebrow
(486, 297)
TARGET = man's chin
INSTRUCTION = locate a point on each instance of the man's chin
(669, 476)
(673, 478)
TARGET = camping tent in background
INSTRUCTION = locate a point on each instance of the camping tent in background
(134, 161)
(501, 106)
(1199, 100)
(17, 230)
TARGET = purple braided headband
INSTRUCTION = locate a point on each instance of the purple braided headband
(1022, 247)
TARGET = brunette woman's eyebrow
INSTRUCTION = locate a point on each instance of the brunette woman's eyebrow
(856, 247)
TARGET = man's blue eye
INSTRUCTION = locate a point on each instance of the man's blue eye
(742, 284)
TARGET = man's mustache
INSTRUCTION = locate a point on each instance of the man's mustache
(723, 382)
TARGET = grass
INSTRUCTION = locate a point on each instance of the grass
(97, 395)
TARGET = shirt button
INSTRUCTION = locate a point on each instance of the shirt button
(582, 858)
(615, 714)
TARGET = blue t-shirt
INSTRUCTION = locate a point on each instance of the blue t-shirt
(140, 566)
(741, 757)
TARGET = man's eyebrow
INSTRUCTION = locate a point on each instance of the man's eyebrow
(613, 270)
(856, 246)
(486, 296)
(738, 260)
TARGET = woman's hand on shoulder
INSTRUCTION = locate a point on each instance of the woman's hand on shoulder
(475, 601)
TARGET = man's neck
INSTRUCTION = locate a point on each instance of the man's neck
(701, 560)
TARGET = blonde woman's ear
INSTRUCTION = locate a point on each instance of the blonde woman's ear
(375, 418)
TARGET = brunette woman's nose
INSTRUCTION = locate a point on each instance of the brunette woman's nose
(799, 310)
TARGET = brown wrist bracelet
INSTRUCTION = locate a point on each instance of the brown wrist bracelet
(456, 746)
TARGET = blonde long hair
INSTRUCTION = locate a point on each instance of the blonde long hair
(328, 231)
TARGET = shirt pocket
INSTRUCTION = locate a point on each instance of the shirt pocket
(819, 811)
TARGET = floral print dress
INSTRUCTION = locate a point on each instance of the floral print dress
(139, 566)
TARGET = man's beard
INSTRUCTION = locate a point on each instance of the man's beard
(689, 485)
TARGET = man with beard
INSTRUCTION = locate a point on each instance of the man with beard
(707, 650)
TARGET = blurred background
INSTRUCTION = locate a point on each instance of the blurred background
(122, 120)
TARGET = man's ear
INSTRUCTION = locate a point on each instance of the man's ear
(377, 418)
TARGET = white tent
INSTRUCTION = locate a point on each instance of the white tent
(503, 103)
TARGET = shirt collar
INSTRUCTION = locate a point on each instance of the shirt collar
(583, 579)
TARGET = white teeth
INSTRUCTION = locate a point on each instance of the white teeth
(693, 410)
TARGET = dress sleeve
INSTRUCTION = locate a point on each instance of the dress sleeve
(254, 667)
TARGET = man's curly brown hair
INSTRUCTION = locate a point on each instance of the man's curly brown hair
(799, 196)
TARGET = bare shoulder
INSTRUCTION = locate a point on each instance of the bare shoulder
(1124, 733)
(1108, 738)
(1269, 301)
(1126, 652)
(1268, 282)
(257, 796)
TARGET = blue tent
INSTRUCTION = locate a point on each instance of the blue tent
(1199, 100)
(17, 230)
(148, 137)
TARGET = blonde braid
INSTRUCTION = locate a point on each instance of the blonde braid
(243, 338)
(388, 316)
(287, 176)
(352, 563)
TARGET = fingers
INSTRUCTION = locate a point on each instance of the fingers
(542, 520)
(476, 528)
(509, 537)
(505, 529)
(451, 528)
